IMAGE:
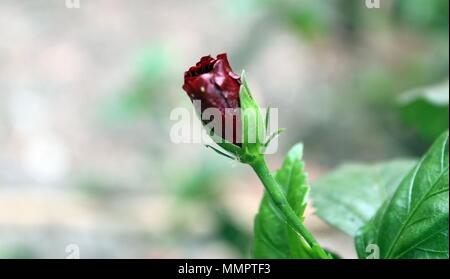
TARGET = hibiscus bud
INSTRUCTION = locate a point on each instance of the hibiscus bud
(237, 125)
(212, 82)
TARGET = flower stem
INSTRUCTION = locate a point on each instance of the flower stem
(279, 199)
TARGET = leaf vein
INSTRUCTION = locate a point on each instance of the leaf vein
(418, 205)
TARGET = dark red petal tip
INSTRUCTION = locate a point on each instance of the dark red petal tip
(213, 82)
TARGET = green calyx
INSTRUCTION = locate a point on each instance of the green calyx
(254, 130)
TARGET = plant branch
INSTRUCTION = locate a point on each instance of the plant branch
(279, 199)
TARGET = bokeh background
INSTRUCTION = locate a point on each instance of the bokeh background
(86, 93)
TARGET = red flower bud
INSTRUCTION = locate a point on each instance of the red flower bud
(213, 82)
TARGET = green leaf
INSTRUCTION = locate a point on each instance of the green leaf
(273, 237)
(414, 222)
(349, 197)
(427, 110)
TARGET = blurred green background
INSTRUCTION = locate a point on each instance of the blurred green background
(86, 94)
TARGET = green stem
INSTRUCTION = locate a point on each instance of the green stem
(281, 202)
